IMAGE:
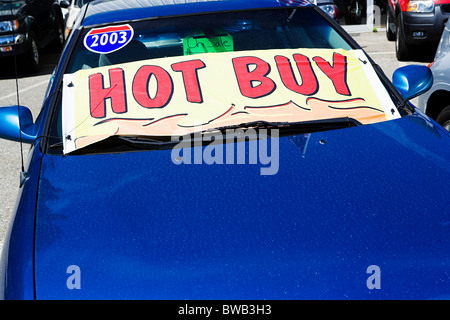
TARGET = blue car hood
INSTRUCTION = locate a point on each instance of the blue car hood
(358, 213)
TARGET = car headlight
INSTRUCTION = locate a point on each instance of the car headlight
(420, 6)
(8, 26)
(331, 9)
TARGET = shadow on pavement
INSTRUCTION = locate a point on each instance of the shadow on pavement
(423, 54)
(49, 60)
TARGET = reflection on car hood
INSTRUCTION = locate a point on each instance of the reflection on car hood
(139, 226)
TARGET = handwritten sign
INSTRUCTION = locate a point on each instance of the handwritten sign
(179, 95)
(199, 42)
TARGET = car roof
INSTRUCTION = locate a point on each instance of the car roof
(110, 11)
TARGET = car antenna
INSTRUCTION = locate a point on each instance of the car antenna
(23, 174)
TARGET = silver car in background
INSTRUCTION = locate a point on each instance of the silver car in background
(436, 101)
(71, 8)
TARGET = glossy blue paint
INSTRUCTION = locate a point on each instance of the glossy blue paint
(17, 263)
(144, 227)
(10, 128)
(413, 80)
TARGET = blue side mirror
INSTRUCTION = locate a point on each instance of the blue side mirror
(9, 124)
(413, 80)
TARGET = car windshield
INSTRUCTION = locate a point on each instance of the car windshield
(179, 75)
(257, 30)
(81, 3)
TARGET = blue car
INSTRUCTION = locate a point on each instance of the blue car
(226, 150)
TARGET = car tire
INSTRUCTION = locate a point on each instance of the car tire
(389, 34)
(402, 49)
(31, 59)
(443, 118)
(58, 43)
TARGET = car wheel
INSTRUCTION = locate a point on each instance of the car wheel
(32, 58)
(444, 118)
(389, 34)
(58, 43)
(402, 49)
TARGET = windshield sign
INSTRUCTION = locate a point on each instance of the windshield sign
(180, 95)
(108, 39)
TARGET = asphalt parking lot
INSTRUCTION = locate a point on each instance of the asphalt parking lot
(32, 88)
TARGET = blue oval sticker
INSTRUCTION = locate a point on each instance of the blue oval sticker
(108, 39)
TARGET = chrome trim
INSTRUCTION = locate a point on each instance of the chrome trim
(9, 40)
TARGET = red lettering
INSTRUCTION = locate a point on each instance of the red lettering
(98, 93)
(309, 84)
(190, 78)
(337, 73)
(255, 83)
(164, 87)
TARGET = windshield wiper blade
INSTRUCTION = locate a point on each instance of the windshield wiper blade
(303, 126)
(56, 145)
(132, 140)
(146, 141)
(126, 143)
(122, 143)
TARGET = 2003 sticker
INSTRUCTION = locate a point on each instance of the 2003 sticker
(108, 39)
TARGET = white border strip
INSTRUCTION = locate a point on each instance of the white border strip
(386, 102)
(68, 113)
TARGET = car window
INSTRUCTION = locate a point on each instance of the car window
(259, 30)
(80, 3)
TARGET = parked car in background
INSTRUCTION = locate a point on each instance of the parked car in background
(230, 150)
(28, 26)
(415, 23)
(353, 11)
(330, 7)
(436, 101)
(71, 8)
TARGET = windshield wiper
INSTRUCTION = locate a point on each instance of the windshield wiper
(294, 127)
(115, 144)
(144, 141)
(136, 143)
(121, 144)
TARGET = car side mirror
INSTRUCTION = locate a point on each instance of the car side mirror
(413, 80)
(14, 127)
(64, 4)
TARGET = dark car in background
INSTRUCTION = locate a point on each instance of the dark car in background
(70, 10)
(26, 27)
(416, 23)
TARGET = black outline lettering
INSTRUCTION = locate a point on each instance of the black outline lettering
(251, 80)
(159, 85)
(186, 82)
(323, 62)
